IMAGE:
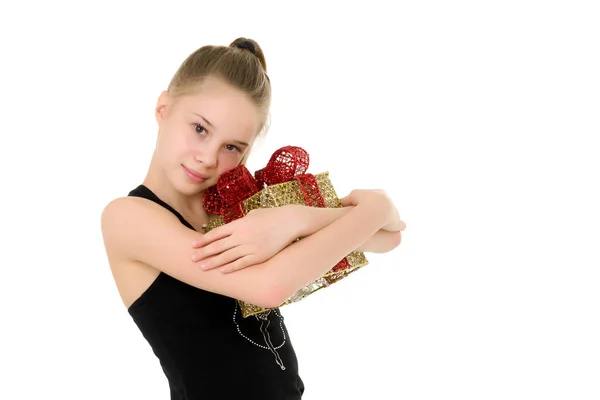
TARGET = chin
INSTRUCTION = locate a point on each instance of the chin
(191, 189)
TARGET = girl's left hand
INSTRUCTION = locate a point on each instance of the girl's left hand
(250, 240)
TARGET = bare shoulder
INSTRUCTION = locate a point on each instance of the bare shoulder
(123, 206)
(143, 238)
(124, 218)
(124, 211)
(131, 277)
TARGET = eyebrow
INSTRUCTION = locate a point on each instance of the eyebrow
(205, 120)
(211, 125)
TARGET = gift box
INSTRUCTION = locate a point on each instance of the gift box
(283, 181)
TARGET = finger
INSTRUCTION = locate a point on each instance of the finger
(402, 225)
(212, 236)
(223, 259)
(345, 201)
(214, 248)
(238, 264)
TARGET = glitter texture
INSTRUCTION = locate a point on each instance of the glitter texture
(283, 181)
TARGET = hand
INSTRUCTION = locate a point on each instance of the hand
(250, 240)
(381, 202)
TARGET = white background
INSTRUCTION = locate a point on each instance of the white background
(479, 118)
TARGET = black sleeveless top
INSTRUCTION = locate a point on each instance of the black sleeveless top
(207, 350)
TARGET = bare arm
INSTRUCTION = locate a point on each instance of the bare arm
(136, 229)
(304, 261)
(263, 233)
(381, 241)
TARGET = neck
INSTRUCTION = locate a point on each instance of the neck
(188, 205)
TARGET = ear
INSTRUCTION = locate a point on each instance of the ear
(162, 105)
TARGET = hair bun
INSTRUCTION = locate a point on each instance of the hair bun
(252, 47)
(248, 46)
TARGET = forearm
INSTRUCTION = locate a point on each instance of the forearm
(308, 259)
(381, 242)
(316, 218)
(384, 240)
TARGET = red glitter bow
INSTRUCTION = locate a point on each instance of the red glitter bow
(236, 185)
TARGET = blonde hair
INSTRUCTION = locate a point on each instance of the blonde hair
(241, 64)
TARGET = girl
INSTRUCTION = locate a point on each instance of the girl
(166, 271)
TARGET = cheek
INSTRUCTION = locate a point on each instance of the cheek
(179, 142)
(227, 162)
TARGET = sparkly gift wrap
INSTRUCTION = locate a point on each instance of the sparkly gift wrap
(283, 181)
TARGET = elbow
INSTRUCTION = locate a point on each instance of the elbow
(281, 287)
(382, 242)
(392, 240)
(275, 295)
(277, 285)
(395, 239)
(271, 293)
(266, 287)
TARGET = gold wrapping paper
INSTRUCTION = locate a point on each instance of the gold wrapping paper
(289, 193)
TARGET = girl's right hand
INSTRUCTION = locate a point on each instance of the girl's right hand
(379, 201)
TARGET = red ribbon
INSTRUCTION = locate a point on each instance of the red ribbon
(236, 185)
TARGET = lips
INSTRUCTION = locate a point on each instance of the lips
(195, 176)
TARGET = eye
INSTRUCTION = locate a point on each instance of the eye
(231, 147)
(200, 129)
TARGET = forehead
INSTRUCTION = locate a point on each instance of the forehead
(229, 110)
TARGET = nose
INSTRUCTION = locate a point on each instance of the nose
(207, 157)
